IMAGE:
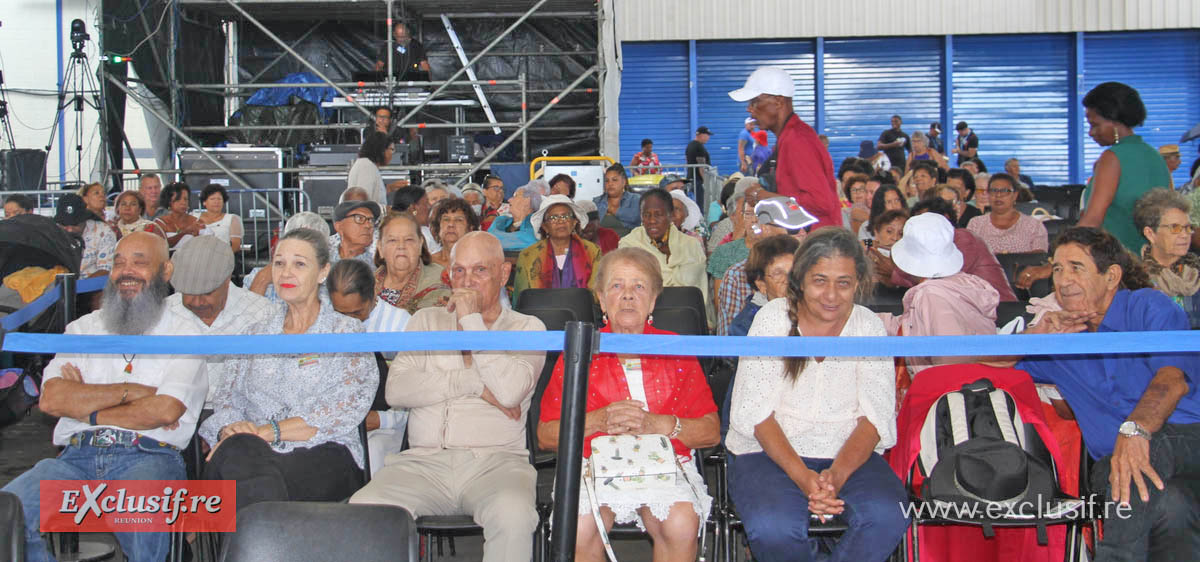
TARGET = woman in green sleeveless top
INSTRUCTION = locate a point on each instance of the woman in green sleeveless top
(1121, 175)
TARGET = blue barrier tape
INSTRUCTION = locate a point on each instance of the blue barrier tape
(91, 284)
(32, 310)
(52, 294)
(1063, 344)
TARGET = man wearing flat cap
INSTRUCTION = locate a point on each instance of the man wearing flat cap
(354, 224)
(212, 304)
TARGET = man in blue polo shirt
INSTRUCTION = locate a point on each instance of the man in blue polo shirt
(1139, 413)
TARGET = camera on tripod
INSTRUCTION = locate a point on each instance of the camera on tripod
(79, 35)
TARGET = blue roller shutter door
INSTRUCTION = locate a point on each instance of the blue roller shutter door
(723, 66)
(869, 80)
(654, 100)
(1012, 90)
(1164, 67)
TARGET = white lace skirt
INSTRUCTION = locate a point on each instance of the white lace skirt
(625, 503)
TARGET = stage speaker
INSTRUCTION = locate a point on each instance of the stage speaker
(23, 169)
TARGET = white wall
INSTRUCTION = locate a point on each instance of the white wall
(658, 20)
(29, 59)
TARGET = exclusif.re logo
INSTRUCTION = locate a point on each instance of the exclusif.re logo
(150, 506)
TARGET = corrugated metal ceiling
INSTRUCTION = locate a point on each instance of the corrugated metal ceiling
(372, 9)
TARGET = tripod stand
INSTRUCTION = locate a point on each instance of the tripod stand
(5, 125)
(79, 88)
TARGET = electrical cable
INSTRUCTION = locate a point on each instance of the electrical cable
(161, 19)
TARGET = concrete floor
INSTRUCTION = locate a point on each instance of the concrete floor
(25, 443)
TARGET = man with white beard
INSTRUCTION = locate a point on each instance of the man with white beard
(123, 416)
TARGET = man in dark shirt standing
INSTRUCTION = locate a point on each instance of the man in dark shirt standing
(408, 55)
(697, 154)
(935, 137)
(800, 167)
(893, 142)
(966, 145)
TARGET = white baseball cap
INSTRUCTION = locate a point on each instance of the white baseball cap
(749, 120)
(927, 248)
(771, 80)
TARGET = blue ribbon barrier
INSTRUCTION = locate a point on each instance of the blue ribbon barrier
(91, 284)
(32, 310)
(908, 346)
(52, 294)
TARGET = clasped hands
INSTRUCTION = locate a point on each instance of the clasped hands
(822, 489)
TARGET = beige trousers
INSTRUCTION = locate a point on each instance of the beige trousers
(496, 489)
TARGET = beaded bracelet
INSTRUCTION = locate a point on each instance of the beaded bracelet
(275, 427)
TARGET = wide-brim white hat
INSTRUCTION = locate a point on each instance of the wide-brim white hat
(550, 201)
(927, 248)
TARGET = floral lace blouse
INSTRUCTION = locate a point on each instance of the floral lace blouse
(332, 392)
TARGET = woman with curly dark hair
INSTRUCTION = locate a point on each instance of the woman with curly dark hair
(1124, 172)
(452, 219)
(376, 151)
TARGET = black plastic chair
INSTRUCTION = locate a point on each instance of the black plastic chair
(1007, 311)
(556, 307)
(12, 537)
(1014, 263)
(1054, 227)
(285, 531)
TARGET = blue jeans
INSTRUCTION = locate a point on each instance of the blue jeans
(774, 510)
(86, 462)
(1168, 526)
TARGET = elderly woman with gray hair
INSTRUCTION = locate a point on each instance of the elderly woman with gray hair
(806, 433)
(515, 229)
(1162, 216)
(285, 426)
(640, 395)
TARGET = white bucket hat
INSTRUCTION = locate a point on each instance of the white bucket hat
(693, 210)
(927, 248)
(557, 199)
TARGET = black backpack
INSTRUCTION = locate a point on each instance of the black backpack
(977, 452)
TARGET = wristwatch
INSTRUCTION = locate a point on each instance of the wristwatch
(1132, 429)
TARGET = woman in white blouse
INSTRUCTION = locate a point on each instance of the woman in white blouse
(806, 434)
(226, 226)
(285, 426)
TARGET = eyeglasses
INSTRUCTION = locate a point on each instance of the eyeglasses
(361, 219)
(858, 190)
(1177, 228)
(559, 218)
(998, 191)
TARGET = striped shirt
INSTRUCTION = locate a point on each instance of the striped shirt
(386, 318)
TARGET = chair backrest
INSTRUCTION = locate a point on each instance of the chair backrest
(1056, 226)
(12, 533)
(681, 310)
(1007, 311)
(684, 321)
(556, 307)
(887, 299)
(1014, 263)
(294, 530)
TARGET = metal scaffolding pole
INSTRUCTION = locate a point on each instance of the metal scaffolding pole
(232, 175)
(291, 51)
(470, 64)
(519, 132)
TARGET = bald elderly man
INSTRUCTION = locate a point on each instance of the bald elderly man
(466, 426)
(122, 417)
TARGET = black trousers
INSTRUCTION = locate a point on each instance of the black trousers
(326, 472)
